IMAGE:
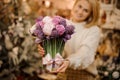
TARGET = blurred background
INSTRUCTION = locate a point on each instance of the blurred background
(19, 58)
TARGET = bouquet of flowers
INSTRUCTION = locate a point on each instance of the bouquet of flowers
(52, 33)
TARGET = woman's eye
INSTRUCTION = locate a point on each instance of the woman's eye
(85, 10)
(80, 6)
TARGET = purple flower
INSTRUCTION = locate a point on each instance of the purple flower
(54, 33)
(38, 40)
(63, 22)
(69, 29)
(66, 37)
(40, 24)
(60, 29)
(39, 34)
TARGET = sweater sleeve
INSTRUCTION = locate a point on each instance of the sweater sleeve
(84, 56)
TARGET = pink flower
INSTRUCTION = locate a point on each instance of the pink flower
(60, 29)
(41, 23)
(56, 20)
(47, 19)
(47, 29)
(48, 25)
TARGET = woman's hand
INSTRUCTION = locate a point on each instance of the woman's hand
(64, 66)
(41, 50)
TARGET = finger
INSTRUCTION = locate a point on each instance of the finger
(39, 46)
(64, 66)
(40, 49)
(61, 68)
(41, 52)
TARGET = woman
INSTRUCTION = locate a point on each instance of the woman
(79, 51)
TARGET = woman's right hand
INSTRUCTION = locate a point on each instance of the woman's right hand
(41, 51)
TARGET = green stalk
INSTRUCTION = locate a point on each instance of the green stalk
(53, 51)
(47, 46)
(50, 46)
(55, 47)
(60, 45)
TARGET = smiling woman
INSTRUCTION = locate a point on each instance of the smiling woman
(87, 11)
(80, 50)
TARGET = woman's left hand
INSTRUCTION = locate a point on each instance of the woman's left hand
(64, 66)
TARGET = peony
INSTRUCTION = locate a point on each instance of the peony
(69, 29)
(47, 19)
(40, 24)
(63, 22)
(39, 34)
(56, 20)
(47, 29)
(66, 37)
(60, 29)
(54, 33)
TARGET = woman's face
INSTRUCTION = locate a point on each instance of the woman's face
(81, 11)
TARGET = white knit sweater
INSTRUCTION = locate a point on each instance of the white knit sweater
(81, 48)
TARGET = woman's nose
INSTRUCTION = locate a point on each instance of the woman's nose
(80, 11)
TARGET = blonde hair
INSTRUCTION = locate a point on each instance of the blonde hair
(94, 16)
